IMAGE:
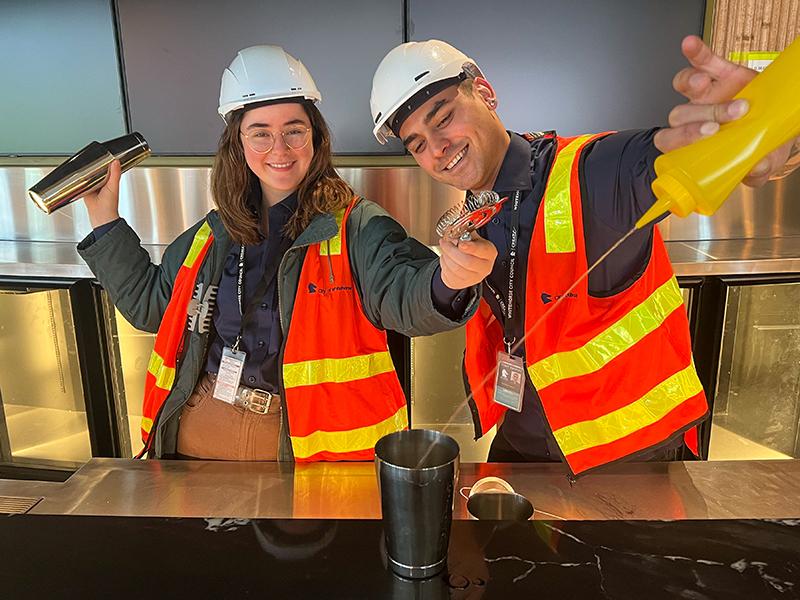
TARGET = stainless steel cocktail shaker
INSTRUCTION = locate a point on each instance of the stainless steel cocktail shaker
(86, 171)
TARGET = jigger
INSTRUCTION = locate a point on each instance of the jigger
(86, 170)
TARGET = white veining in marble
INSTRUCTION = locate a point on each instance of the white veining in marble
(533, 564)
(740, 566)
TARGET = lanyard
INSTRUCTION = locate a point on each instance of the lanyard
(258, 293)
(507, 304)
(239, 294)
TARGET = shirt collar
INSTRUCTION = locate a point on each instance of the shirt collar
(279, 214)
(288, 204)
(286, 207)
(515, 171)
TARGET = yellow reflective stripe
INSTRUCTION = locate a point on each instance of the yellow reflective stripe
(353, 440)
(333, 246)
(147, 424)
(335, 370)
(165, 376)
(200, 239)
(610, 343)
(559, 235)
(648, 409)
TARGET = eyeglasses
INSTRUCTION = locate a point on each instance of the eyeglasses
(262, 141)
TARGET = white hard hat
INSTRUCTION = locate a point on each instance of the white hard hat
(260, 73)
(408, 69)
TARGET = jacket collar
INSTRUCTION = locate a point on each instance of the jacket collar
(322, 227)
(218, 229)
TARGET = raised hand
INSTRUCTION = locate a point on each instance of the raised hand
(103, 204)
(710, 83)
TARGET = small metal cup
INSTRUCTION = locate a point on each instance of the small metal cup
(499, 506)
(417, 471)
(86, 171)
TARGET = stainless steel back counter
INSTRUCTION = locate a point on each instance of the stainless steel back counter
(660, 491)
(698, 258)
(755, 231)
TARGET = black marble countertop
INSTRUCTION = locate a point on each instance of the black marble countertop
(141, 557)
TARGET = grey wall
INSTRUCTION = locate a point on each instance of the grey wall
(58, 75)
(577, 66)
(174, 59)
(573, 65)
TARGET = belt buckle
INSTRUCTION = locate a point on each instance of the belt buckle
(258, 401)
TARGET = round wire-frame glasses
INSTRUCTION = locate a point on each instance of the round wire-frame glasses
(262, 141)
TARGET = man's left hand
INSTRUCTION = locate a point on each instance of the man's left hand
(710, 84)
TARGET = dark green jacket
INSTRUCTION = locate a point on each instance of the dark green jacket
(393, 273)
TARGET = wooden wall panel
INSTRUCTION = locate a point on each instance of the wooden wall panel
(754, 25)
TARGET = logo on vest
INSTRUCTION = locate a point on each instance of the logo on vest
(315, 289)
(548, 298)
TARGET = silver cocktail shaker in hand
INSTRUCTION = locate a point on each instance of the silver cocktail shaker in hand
(87, 170)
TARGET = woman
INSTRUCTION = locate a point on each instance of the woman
(306, 277)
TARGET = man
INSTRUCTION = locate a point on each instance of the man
(608, 357)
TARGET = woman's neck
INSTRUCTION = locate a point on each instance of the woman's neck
(270, 197)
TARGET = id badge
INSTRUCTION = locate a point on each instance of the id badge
(509, 384)
(231, 366)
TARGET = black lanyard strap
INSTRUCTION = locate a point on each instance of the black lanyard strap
(270, 261)
(239, 294)
(507, 304)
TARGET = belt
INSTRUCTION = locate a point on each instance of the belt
(252, 399)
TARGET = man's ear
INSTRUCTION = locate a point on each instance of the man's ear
(484, 90)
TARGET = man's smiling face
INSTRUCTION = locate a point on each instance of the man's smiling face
(456, 137)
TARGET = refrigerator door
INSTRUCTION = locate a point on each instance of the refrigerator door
(130, 351)
(43, 420)
(756, 413)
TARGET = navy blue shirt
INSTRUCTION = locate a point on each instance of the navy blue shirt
(261, 339)
(617, 170)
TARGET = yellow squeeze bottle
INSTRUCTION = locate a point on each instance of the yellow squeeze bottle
(700, 177)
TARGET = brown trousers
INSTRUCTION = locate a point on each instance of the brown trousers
(213, 429)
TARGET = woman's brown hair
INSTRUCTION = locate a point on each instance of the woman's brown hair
(320, 191)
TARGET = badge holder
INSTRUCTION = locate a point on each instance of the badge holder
(231, 366)
(509, 383)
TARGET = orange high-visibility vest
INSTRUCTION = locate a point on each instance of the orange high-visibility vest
(161, 369)
(615, 375)
(341, 391)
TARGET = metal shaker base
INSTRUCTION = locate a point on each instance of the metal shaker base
(417, 572)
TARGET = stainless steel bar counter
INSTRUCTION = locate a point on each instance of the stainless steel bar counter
(653, 491)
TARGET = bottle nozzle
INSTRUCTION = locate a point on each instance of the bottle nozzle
(658, 208)
(671, 195)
